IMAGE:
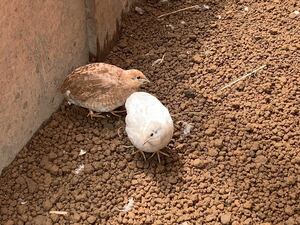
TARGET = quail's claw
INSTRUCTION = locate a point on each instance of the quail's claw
(92, 114)
(115, 113)
(158, 156)
(119, 132)
(134, 152)
(165, 154)
(127, 146)
(143, 154)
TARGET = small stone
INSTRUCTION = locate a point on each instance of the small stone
(91, 219)
(290, 221)
(261, 159)
(79, 138)
(274, 31)
(283, 80)
(52, 156)
(140, 164)
(21, 209)
(158, 222)
(220, 206)
(296, 160)
(294, 14)
(42, 220)
(139, 10)
(83, 215)
(130, 214)
(225, 218)
(9, 222)
(96, 140)
(53, 169)
(270, 8)
(134, 182)
(210, 217)
(289, 210)
(106, 176)
(218, 143)
(210, 131)
(291, 180)
(255, 146)
(32, 186)
(164, 1)
(200, 163)
(247, 221)
(76, 217)
(247, 205)
(212, 152)
(212, 69)
(47, 204)
(88, 169)
(190, 94)
(49, 166)
(197, 58)
(60, 205)
(122, 164)
(131, 165)
(173, 180)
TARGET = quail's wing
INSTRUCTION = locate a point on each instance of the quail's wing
(137, 107)
(156, 111)
(142, 107)
(92, 80)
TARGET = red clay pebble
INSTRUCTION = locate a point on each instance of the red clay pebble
(47, 204)
(91, 219)
(225, 218)
(42, 220)
(200, 163)
(9, 222)
(76, 217)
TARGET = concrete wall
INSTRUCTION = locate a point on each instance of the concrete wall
(105, 14)
(41, 41)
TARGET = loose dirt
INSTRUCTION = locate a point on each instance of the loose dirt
(235, 155)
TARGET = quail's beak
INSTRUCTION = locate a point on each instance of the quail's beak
(146, 80)
(147, 140)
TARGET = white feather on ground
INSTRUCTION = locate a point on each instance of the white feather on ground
(187, 127)
(128, 206)
(79, 169)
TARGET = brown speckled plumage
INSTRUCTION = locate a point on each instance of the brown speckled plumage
(101, 87)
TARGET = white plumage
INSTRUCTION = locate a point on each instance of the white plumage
(149, 125)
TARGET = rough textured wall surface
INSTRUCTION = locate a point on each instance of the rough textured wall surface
(40, 42)
(108, 16)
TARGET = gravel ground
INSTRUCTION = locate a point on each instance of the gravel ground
(235, 155)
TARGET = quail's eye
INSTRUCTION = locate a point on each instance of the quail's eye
(138, 77)
(151, 135)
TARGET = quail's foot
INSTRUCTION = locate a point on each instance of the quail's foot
(134, 152)
(158, 157)
(143, 154)
(116, 113)
(120, 132)
(94, 115)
